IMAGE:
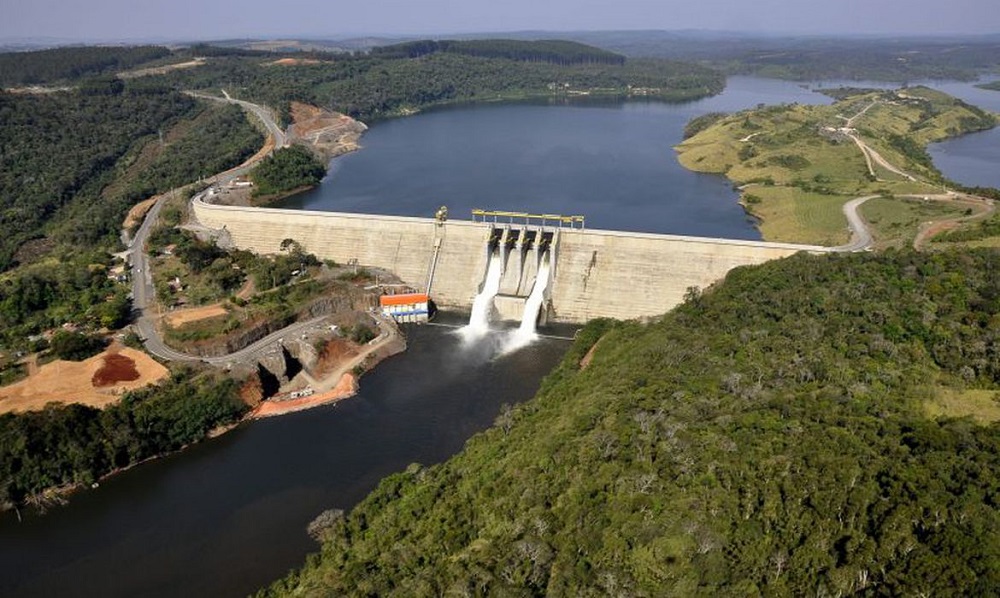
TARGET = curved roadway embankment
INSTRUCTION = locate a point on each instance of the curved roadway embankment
(143, 291)
(861, 236)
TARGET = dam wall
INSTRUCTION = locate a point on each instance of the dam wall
(594, 273)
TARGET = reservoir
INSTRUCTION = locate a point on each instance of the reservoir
(613, 163)
(229, 515)
(974, 159)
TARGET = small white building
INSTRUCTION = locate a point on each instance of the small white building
(406, 307)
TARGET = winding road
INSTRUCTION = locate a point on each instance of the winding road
(143, 292)
(861, 237)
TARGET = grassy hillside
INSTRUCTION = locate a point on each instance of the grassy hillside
(798, 166)
(775, 435)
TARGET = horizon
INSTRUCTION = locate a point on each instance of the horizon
(42, 41)
(119, 21)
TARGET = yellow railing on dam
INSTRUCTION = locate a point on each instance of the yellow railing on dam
(528, 218)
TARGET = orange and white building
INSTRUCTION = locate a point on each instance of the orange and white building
(406, 307)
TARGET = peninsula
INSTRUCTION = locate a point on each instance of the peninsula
(797, 166)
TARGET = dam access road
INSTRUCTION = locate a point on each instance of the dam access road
(143, 292)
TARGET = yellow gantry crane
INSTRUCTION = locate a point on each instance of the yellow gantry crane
(528, 218)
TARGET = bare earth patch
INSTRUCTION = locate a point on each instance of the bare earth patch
(186, 316)
(292, 62)
(117, 368)
(98, 381)
(585, 362)
(330, 133)
(336, 352)
(345, 388)
(161, 70)
(138, 212)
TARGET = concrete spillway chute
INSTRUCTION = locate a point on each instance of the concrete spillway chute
(514, 262)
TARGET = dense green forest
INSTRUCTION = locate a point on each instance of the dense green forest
(74, 444)
(811, 58)
(61, 65)
(213, 141)
(59, 151)
(286, 169)
(770, 436)
(553, 51)
(371, 87)
(70, 286)
(992, 86)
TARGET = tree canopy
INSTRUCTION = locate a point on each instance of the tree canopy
(286, 169)
(553, 51)
(769, 436)
(67, 64)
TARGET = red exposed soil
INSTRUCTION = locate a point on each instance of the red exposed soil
(117, 368)
(333, 354)
(346, 387)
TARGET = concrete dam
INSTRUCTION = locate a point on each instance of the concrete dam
(590, 273)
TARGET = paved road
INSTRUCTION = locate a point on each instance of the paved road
(264, 114)
(143, 292)
(861, 237)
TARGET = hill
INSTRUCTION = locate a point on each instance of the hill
(405, 78)
(797, 165)
(770, 436)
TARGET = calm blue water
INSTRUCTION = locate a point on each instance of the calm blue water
(972, 159)
(612, 163)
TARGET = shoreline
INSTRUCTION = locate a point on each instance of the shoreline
(348, 385)
(345, 388)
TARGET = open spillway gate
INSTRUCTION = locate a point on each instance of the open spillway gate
(519, 252)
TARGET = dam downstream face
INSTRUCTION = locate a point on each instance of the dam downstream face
(613, 163)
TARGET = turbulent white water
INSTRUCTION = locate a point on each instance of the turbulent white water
(479, 321)
(526, 331)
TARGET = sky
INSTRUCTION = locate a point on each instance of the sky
(114, 20)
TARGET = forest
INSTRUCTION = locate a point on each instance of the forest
(769, 436)
(59, 153)
(69, 445)
(63, 65)
(552, 51)
(813, 58)
(374, 87)
(70, 286)
(287, 169)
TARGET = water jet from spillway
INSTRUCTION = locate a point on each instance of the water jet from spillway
(482, 305)
(526, 332)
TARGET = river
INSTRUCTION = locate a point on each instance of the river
(229, 515)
